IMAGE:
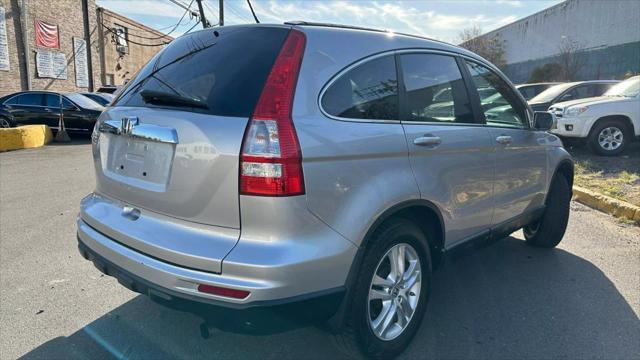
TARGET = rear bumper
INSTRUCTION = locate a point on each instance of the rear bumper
(257, 316)
(274, 270)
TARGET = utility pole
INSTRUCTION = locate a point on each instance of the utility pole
(87, 41)
(203, 19)
(221, 12)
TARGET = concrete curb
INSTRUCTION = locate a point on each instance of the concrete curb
(23, 137)
(606, 204)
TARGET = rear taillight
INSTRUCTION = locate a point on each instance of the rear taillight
(271, 160)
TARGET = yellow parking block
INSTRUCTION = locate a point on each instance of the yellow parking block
(22, 137)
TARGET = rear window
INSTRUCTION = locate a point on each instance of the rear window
(227, 71)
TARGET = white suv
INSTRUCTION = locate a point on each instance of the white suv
(609, 122)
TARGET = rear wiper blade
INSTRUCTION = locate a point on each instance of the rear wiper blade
(165, 98)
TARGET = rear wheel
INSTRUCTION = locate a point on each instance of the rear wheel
(609, 137)
(548, 231)
(390, 294)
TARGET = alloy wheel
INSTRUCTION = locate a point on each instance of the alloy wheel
(610, 138)
(4, 123)
(394, 292)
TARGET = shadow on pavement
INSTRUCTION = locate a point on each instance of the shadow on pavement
(505, 301)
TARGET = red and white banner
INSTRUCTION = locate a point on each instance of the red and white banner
(47, 35)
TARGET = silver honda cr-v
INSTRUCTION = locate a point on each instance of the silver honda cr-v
(260, 166)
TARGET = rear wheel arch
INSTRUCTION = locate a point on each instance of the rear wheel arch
(423, 214)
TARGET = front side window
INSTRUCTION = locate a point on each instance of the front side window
(368, 91)
(505, 109)
(53, 100)
(435, 91)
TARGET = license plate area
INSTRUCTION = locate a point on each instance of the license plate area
(137, 162)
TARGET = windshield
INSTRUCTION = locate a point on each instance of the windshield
(627, 88)
(551, 93)
(84, 102)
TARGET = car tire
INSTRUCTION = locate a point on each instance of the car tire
(547, 232)
(609, 137)
(358, 336)
(5, 122)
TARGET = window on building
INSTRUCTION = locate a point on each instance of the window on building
(121, 38)
(108, 79)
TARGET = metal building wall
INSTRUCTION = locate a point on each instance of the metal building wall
(608, 32)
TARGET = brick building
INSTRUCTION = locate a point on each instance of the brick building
(126, 45)
(54, 34)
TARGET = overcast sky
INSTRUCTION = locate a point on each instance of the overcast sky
(442, 20)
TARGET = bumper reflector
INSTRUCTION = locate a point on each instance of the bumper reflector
(220, 291)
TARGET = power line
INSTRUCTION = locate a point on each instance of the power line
(237, 13)
(175, 26)
(131, 41)
(253, 12)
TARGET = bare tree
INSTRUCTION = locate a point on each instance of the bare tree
(489, 47)
(569, 58)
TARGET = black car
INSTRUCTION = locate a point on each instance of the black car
(569, 91)
(103, 99)
(44, 107)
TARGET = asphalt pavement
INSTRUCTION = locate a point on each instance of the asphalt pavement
(505, 301)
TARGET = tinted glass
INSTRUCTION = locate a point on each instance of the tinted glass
(53, 100)
(529, 91)
(30, 99)
(226, 72)
(369, 91)
(426, 78)
(579, 92)
(513, 114)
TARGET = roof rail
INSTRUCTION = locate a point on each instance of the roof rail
(310, 23)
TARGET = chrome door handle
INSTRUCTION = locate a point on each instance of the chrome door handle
(427, 140)
(504, 139)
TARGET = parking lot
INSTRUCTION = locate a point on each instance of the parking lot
(581, 300)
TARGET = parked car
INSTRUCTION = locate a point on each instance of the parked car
(570, 91)
(292, 180)
(608, 123)
(44, 107)
(103, 99)
(529, 91)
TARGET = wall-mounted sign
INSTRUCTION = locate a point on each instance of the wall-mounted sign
(80, 60)
(4, 45)
(46, 35)
(51, 64)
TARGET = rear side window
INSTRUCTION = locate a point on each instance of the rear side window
(227, 72)
(34, 99)
(368, 91)
(435, 91)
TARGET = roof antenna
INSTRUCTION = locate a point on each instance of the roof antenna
(253, 12)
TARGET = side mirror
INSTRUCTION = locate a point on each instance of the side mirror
(543, 120)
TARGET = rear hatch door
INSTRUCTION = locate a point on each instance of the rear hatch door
(176, 152)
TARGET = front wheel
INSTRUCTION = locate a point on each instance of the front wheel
(549, 229)
(609, 137)
(4, 122)
(390, 294)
